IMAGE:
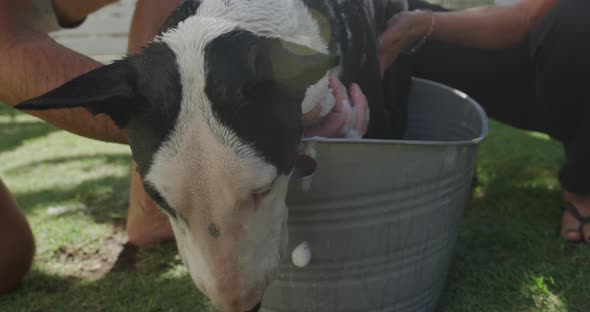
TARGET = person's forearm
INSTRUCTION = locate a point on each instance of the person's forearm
(71, 11)
(35, 64)
(483, 27)
(32, 64)
(148, 18)
(488, 26)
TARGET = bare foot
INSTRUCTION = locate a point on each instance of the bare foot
(146, 223)
(570, 224)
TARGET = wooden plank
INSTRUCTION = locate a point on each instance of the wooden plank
(103, 35)
(97, 26)
(97, 46)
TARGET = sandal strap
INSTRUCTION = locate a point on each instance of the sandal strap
(576, 213)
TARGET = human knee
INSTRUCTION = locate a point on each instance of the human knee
(15, 262)
(17, 245)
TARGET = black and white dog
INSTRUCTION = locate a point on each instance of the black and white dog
(212, 108)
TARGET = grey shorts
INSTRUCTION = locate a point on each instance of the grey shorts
(45, 19)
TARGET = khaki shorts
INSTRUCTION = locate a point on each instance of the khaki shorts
(44, 18)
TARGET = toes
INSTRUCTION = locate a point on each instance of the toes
(577, 212)
(586, 232)
(569, 227)
(573, 236)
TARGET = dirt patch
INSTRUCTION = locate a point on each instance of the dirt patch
(92, 263)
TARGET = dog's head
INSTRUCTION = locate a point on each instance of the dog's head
(212, 111)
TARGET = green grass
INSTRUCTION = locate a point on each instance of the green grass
(74, 193)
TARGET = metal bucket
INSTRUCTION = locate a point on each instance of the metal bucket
(381, 217)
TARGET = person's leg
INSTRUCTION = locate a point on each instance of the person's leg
(541, 93)
(575, 179)
(146, 223)
(501, 81)
(561, 53)
(17, 245)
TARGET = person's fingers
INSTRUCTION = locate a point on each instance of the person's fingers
(360, 109)
(333, 124)
(390, 48)
(348, 118)
(340, 95)
(312, 116)
(393, 40)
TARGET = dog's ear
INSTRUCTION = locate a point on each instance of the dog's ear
(293, 67)
(109, 90)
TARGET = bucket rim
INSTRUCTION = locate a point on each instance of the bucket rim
(475, 141)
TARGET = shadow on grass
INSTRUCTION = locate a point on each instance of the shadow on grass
(509, 256)
(15, 134)
(157, 283)
(105, 198)
(122, 160)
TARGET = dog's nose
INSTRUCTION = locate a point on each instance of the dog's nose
(256, 308)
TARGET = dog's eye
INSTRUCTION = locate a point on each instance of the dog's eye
(263, 191)
(258, 194)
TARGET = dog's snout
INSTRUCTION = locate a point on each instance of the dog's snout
(256, 308)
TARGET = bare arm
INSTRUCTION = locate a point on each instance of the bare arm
(489, 26)
(148, 18)
(483, 27)
(33, 63)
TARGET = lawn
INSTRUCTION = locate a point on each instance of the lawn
(74, 193)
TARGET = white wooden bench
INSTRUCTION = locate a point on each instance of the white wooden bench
(103, 36)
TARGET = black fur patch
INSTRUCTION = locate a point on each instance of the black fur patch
(214, 230)
(141, 93)
(159, 200)
(353, 33)
(158, 83)
(256, 88)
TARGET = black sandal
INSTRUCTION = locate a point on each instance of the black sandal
(567, 206)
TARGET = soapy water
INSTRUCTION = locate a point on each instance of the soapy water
(301, 255)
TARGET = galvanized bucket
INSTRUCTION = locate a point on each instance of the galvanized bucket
(381, 217)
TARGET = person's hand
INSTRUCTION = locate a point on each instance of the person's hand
(349, 118)
(403, 31)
